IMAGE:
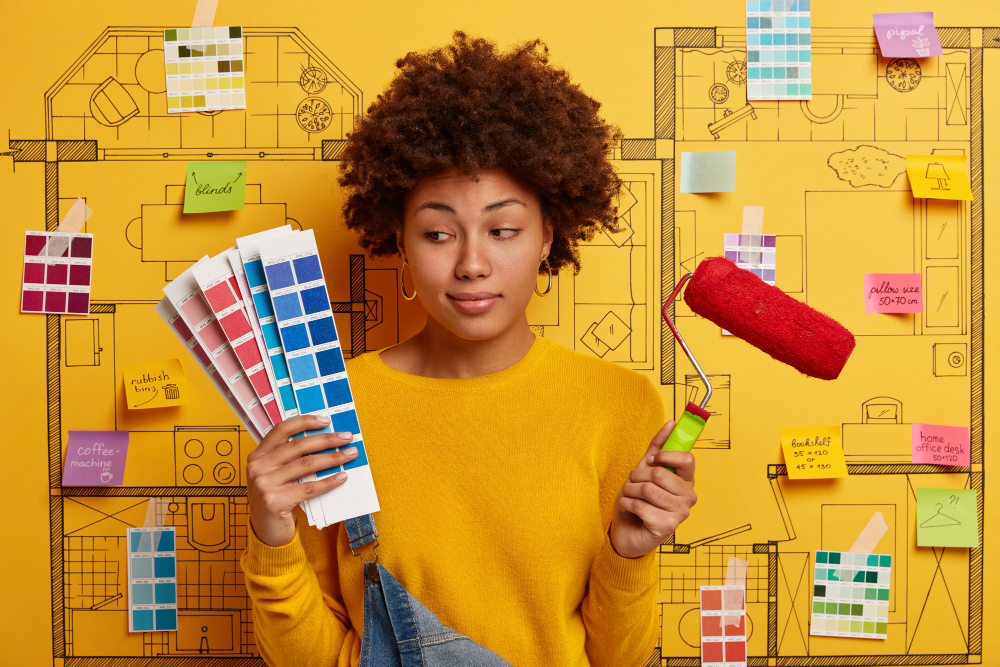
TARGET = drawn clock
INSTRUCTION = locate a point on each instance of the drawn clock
(903, 74)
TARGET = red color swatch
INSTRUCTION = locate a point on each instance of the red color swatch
(711, 651)
(711, 626)
(235, 324)
(711, 600)
(220, 296)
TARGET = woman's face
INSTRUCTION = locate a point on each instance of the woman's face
(474, 248)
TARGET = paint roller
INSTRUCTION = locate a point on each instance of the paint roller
(762, 315)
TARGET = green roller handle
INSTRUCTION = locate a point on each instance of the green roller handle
(686, 431)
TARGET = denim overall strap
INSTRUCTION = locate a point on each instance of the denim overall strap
(361, 531)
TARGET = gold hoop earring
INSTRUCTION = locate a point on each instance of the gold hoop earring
(548, 288)
(408, 297)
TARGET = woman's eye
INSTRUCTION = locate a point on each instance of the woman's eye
(436, 236)
(504, 233)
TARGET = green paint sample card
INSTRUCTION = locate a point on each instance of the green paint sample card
(215, 186)
(947, 518)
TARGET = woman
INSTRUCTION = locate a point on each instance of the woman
(522, 486)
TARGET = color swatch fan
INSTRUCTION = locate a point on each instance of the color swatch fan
(257, 318)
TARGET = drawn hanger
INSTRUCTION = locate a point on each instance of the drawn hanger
(940, 520)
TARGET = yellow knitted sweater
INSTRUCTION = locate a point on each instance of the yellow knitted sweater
(496, 496)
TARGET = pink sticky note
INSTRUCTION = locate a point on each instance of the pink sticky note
(95, 458)
(907, 35)
(893, 293)
(941, 445)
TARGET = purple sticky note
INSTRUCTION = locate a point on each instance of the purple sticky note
(941, 445)
(907, 35)
(95, 458)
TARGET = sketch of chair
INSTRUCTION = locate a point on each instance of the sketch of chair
(111, 104)
(882, 410)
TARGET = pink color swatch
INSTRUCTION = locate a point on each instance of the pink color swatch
(57, 282)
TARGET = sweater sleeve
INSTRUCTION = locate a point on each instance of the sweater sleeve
(619, 610)
(295, 622)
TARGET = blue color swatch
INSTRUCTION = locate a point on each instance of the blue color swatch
(322, 331)
(166, 619)
(262, 303)
(164, 566)
(279, 275)
(287, 307)
(142, 568)
(314, 300)
(142, 620)
(330, 361)
(279, 366)
(337, 392)
(360, 460)
(255, 273)
(165, 540)
(271, 338)
(166, 593)
(310, 399)
(303, 368)
(307, 269)
(295, 337)
(345, 421)
(142, 593)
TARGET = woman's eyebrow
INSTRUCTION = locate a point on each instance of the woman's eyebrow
(489, 208)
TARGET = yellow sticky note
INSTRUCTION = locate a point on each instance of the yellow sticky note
(159, 384)
(939, 176)
(813, 452)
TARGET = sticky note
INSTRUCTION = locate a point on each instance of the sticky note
(939, 176)
(708, 171)
(215, 186)
(907, 35)
(95, 458)
(893, 293)
(813, 452)
(947, 518)
(941, 445)
(156, 385)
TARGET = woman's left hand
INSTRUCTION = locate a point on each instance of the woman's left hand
(653, 501)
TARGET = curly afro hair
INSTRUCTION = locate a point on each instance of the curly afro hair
(470, 106)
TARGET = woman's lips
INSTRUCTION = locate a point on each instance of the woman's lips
(474, 302)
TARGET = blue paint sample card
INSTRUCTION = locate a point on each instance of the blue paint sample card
(152, 579)
(301, 309)
(779, 50)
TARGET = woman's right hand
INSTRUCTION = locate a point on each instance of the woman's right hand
(275, 465)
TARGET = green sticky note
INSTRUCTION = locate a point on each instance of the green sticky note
(947, 518)
(215, 186)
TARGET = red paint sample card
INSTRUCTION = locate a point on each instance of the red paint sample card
(723, 626)
(56, 273)
(941, 445)
(893, 293)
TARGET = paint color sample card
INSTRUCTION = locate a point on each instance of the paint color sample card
(893, 293)
(753, 252)
(851, 595)
(813, 452)
(169, 314)
(779, 50)
(215, 186)
(218, 283)
(95, 458)
(260, 305)
(907, 35)
(159, 384)
(56, 273)
(152, 579)
(947, 518)
(941, 445)
(939, 176)
(204, 68)
(316, 363)
(708, 171)
(723, 626)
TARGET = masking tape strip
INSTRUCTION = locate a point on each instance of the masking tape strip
(753, 220)
(72, 222)
(736, 575)
(204, 13)
(155, 513)
(870, 536)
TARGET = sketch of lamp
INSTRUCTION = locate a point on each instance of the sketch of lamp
(936, 172)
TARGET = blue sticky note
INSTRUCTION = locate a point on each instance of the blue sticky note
(708, 171)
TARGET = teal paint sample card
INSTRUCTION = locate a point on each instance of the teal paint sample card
(708, 171)
(215, 186)
(947, 518)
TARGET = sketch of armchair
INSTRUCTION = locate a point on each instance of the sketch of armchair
(111, 104)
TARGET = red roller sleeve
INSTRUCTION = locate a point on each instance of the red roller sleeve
(767, 318)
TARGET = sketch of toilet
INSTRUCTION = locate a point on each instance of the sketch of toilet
(208, 524)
